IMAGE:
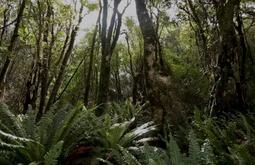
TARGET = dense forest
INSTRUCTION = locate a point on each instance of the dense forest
(127, 82)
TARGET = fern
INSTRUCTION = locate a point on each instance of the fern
(104, 161)
(175, 152)
(230, 140)
(7, 118)
(29, 125)
(127, 157)
(194, 149)
(9, 147)
(44, 128)
(207, 152)
(13, 138)
(5, 161)
(197, 155)
(65, 127)
(51, 157)
(137, 133)
(155, 156)
(124, 111)
(33, 143)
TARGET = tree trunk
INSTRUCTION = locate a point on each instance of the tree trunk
(11, 46)
(66, 58)
(117, 79)
(91, 61)
(63, 51)
(159, 90)
(45, 61)
(32, 86)
(150, 47)
(108, 42)
(4, 28)
(229, 90)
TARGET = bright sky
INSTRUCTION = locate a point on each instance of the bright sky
(90, 20)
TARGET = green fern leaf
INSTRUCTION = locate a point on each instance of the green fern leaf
(194, 150)
(53, 154)
(127, 157)
(175, 152)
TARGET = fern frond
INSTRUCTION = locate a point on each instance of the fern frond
(66, 126)
(248, 127)
(44, 128)
(138, 132)
(155, 156)
(5, 128)
(10, 120)
(194, 149)
(127, 157)
(29, 125)
(9, 147)
(14, 138)
(104, 161)
(242, 155)
(207, 152)
(175, 152)
(51, 157)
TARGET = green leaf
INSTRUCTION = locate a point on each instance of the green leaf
(194, 149)
(51, 157)
(175, 152)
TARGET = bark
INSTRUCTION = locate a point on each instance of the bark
(133, 74)
(63, 51)
(4, 28)
(45, 61)
(65, 44)
(149, 36)
(159, 50)
(61, 73)
(91, 61)
(158, 88)
(11, 46)
(117, 79)
(108, 42)
(34, 79)
(32, 86)
(228, 94)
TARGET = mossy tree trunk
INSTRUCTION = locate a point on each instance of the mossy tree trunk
(228, 94)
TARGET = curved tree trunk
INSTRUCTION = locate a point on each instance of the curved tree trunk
(164, 103)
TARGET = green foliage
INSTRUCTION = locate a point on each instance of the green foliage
(124, 111)
(43, 142)
(231, 140)
(27, 142)
(175, 153)
(196, 154)
(51, 157)
(118, 138)
(65, 129)
(127, 157)
(90, 6)
(154, 155)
